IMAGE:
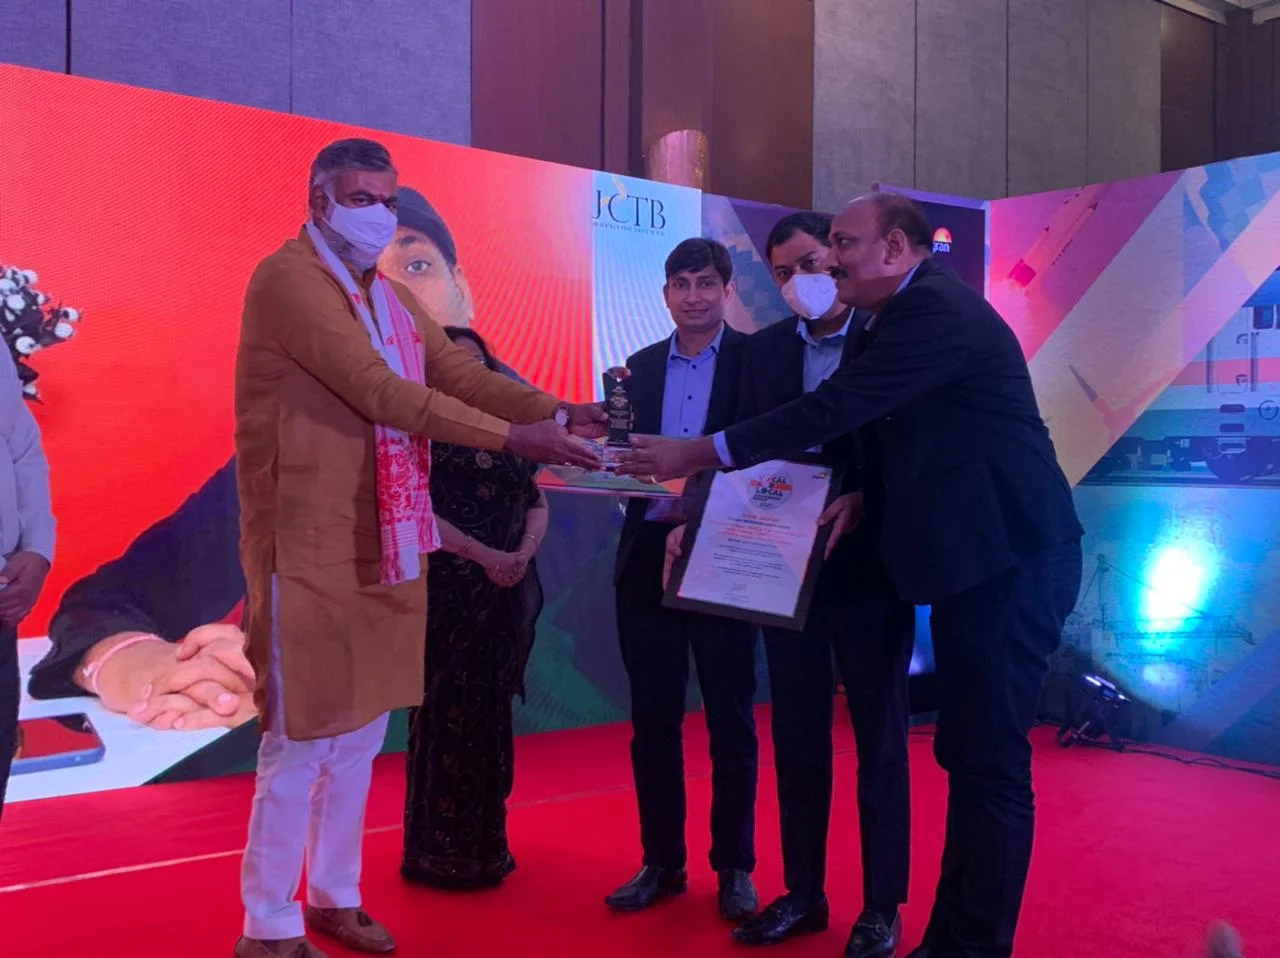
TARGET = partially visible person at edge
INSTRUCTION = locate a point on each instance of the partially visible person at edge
(855, 614)
(27, 531)
(181, 578)
(333, 422)
(976, 520)
(684, 385)
(485, 597)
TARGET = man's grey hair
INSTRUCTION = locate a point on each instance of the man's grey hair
(354, 154)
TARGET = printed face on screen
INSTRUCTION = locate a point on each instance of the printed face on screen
(697, 300)
(415, 260)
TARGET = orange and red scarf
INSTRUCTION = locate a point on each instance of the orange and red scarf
(407, 525)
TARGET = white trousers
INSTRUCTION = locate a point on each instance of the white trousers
(308, 802)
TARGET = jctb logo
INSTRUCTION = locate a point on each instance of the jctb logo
(942, 240)
(769, 492)
(624, 210)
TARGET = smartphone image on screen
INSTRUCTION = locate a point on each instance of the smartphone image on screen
(58, 741)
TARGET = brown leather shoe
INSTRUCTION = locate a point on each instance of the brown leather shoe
(353, 927)
(285, 948)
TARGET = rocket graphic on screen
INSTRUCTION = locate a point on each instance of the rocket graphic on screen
(1117, 419)
(1057, 235)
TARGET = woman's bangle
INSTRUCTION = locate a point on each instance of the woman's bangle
(534, 539)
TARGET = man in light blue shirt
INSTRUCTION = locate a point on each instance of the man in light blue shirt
(686, 395)
(822, 356)
(683, 387)
(26, 542)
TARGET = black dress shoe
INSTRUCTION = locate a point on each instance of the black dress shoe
(650, 884)
(738, 898)
(875, 936)
(787, 917)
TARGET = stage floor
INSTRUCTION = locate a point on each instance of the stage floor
(1135, 857)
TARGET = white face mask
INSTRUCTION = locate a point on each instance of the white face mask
(810, 294)
(369, 229)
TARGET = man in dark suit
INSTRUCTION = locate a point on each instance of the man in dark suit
(855, 613)
(976, 520)
(685, 386)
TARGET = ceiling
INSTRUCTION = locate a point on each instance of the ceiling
(1263, 10)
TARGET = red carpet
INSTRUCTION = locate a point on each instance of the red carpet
(1135, 857)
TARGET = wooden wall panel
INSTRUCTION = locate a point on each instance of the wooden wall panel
(596, 83)
(1264, 88)
(1229, 75)
(676, 69)
(1246, 87)
(1187, 77)
(761, 117)
(537, 79)
(619, 87)
(1273, 47)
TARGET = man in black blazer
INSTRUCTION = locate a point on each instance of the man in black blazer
(686, 385)
(855, 613)
(976, 520)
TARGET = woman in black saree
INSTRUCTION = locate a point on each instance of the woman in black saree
(483, 600)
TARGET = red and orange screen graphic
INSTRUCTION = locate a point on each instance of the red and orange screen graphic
(148, 212)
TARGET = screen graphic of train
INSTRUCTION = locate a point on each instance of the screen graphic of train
(1219, 420)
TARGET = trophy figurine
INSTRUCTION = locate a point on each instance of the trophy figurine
(618, 407)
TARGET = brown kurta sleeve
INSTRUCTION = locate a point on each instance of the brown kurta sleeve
(452, 369)
(304, 312)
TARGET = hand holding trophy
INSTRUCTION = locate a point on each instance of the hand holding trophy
(615, 423)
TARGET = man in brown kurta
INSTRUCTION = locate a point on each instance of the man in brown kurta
(333, 647)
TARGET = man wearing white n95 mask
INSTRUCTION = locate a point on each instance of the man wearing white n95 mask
(855, 615)
(341, 381)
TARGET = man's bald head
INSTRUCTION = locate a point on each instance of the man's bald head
(876, 240)
(894, 211)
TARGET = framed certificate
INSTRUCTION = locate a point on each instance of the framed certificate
(753, 545)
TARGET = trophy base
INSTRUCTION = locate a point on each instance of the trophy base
(606, 480)
(611, 455)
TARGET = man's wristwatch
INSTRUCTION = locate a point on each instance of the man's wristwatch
(562, 415)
